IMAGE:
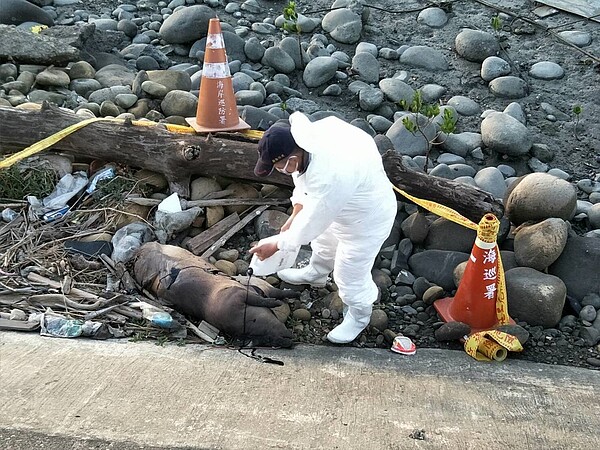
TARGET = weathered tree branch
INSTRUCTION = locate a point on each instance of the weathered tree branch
(179, 156)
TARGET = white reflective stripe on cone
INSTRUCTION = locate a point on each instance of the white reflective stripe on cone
(215, 41)
(215, 70)
(484, 245)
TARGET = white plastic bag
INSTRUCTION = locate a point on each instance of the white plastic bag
(281, 259)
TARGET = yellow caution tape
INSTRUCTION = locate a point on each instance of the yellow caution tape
(477, 345)
(495, 348)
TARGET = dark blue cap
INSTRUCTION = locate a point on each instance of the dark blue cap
(276, 144)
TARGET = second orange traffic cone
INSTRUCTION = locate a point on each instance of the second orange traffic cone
(476, 301)
(217, 110)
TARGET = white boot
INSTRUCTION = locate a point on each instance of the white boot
(305, 275)
(355, 321)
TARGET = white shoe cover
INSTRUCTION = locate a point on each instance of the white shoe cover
(305, 275)
(349, 329)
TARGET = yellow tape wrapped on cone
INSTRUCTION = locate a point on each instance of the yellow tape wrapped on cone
(492, 344)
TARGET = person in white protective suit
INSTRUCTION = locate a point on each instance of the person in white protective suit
(343, 204)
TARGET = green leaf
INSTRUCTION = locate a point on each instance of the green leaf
(577, 109)
(409, 124)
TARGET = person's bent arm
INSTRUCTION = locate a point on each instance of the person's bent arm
(297, 208)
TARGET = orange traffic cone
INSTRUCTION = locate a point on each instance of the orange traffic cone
(217, 109)
(476, 301)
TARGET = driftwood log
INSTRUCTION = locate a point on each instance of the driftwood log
(179, 156)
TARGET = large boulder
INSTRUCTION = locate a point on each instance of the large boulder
(24, 47)
(447, 235)
(535, 297)
(539, 196)
(537, 246)
(578, 266)
(437, 266)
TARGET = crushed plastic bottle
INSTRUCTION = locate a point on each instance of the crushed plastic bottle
(156, 316)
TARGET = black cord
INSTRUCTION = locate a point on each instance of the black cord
(263, 359)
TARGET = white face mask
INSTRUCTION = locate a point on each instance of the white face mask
(287, 163)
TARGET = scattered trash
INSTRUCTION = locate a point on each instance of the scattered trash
(171, 204)
(404, 346)
(58, 326)
(8, 215)
(155, 315)
(128, 239)
(91, 249)
(68, 187)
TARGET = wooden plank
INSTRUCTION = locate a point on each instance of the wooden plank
(590, 9)
(237, 227)
(204, 240)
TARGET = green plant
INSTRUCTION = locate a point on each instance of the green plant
(496, 23)
(291, 24)
(423, 117)
(291, 18)
(16, 183)
(577, 110)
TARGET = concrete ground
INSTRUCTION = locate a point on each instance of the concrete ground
(81, 394)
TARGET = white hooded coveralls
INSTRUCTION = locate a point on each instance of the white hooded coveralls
(349, 205)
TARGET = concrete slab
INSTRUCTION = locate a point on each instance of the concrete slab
(140, 394)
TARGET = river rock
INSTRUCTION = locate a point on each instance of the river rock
(269, 223)
(578, 38)
(491, 180)
(539, 196)
(535, 297)
(379, 319)
(505, 134)
(186, 24)
(415, 227)
(452, 331)
(546, 70)
(81, 69)
(424, 57)
(509, 87)
(179, 103)
(366, 66)
(461, 144)
(537, 246)
(464, 105)
(437, 266)
(407, 143)
(173, 80)
(578, 266)
(370, 99)
(114, 75)
(319, 71)
(494, 67)
(475, 45)
(396, 90)
(202, 186)
(52, 78)
(279, 60)
(433, 17)
(594, 216)
(253, 49)
(343, 25)
(447, 235)
(515, 110)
